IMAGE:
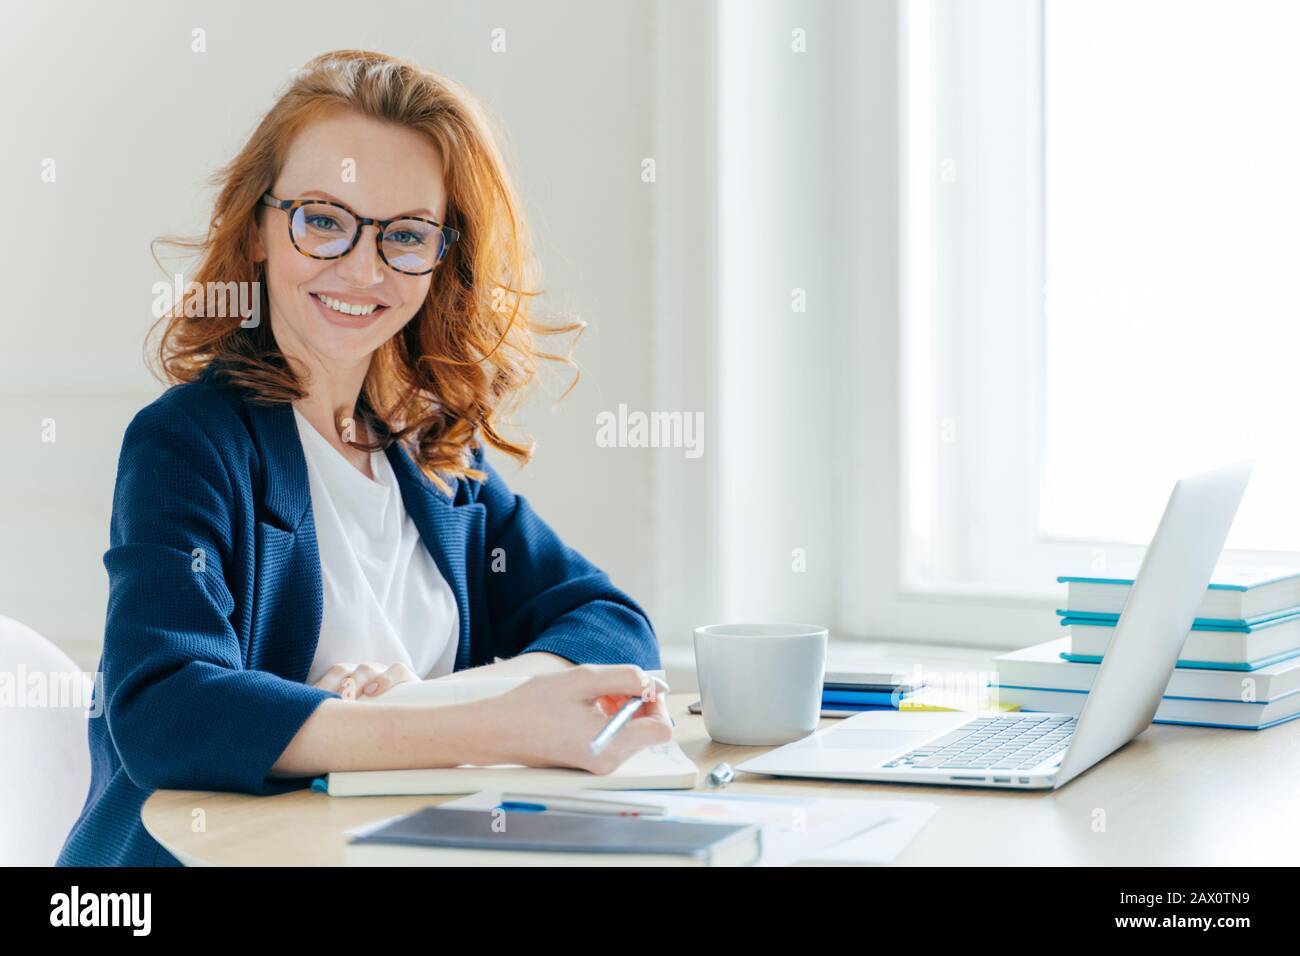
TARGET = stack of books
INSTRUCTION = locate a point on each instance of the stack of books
(1239, 667)
(846, 693)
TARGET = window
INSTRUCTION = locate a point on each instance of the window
(1099, 211)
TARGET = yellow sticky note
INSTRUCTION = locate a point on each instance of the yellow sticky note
(936, 699)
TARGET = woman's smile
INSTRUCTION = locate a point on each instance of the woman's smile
(350, 312)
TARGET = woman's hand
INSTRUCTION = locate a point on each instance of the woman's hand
(549, 720)
(357, 682)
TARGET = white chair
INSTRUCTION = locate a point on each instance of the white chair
(44, 757)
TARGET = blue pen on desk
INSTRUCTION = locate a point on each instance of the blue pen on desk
(616, 723)
(568, 803)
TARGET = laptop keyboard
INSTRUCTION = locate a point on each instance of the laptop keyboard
(1002, 742)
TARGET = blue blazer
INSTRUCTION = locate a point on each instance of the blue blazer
(214, 605)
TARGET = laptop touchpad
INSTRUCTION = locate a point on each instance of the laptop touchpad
(858, 744)
(869, 746)
(888, 740)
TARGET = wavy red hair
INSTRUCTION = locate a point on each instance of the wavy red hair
(463, 360)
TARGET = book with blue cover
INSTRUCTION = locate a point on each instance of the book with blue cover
(1238, 595)
(1201, 623)
(1236, 715)
(880, 698)
(1046, 666)
(1244, 648)
(1041, 678)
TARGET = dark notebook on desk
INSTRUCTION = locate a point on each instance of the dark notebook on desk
(438, 837)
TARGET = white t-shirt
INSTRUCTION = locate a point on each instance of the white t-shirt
(384, 598)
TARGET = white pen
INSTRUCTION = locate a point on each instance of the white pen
(633, 704)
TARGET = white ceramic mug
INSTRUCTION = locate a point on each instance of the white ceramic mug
(760, 684)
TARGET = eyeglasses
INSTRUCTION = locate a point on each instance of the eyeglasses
(329, 230)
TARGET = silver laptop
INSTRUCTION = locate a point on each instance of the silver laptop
(1040, 750)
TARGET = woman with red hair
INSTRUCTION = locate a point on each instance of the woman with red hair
(306, 517)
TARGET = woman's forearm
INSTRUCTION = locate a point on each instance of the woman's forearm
(359, 735)
(362, 735)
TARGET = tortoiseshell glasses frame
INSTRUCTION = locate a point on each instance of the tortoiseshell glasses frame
(296, 236)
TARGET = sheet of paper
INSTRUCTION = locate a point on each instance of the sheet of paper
(795, 829)
(883, 841)
(365, 828)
